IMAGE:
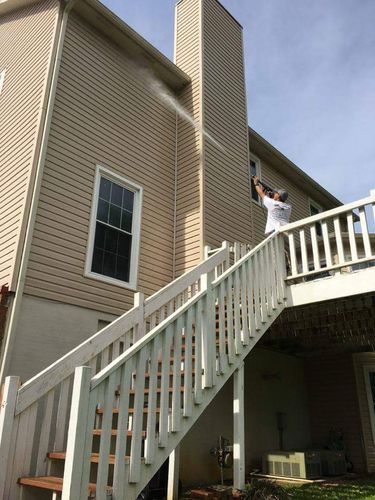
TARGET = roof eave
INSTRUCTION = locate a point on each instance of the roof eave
(295, 172)
(122, 34)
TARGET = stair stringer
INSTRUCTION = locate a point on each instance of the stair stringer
(208, 394)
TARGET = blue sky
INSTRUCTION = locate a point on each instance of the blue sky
(310, 76)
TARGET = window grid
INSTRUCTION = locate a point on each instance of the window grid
(113, 231)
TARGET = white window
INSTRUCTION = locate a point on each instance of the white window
(254, 170)
(113, 246)
(369, 373)
(2, 78)
(315, 209)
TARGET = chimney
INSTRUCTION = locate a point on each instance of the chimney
(213, 198)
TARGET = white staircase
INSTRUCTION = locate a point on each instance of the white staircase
(143, 381)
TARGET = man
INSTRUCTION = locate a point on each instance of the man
(278, 212)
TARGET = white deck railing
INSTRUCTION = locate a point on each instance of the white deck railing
(332, 241)
(38, 422)
(185, 361)
(246, 298)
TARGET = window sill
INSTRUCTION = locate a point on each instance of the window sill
(111, 281)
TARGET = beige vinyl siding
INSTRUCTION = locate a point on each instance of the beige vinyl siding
(189, 181)
(25, 54)
(227, 206)
(104, 114)
(361, 360)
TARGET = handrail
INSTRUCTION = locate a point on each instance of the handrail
(48, 378)
(239, 263)
(327, 214)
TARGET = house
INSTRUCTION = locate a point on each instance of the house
(114, 213)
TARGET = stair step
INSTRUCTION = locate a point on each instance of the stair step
(100, 411)
(51, 483)
(98, 432)
(61, 455)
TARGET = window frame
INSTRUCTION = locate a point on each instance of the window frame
(367, 369)
(259, 174)
(136, 228)
(2, 79)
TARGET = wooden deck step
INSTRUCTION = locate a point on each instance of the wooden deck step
(51, 483)
(61, 455)
(98, 432)
(100, 411)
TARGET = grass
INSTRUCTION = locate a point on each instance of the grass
(360, 489)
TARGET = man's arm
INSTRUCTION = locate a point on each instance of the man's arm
(259, 190)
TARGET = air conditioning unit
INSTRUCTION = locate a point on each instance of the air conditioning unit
(298, 464)
(333, 462)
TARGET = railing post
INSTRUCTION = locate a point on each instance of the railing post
(281, 264)
(173, 474)
(140, 330)
(238, 429)
(74, 462)
(208, 329)
(8, 406)
(226, 246)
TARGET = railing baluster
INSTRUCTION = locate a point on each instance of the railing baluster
(268, 276)
(198, 353)
(258, 320)
(315, 249)
(250, 296)
(152, 402)
(136, 443)
(230, 338)
(223, 362)
(41, 465)
(262, 286)
(273, 272)
(188, 372)
(105, 438)
(339, 244)
(244, 311)
(104, 358)
(237, 317)
(122, 430)
(365, 235)
(176, 386)
(292, 254)
(62, 415)
(327, 245)
(304, 259)
(352, 240)
(164, 395)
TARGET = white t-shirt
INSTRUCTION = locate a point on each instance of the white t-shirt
(278, 214)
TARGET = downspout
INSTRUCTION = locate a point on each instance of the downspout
(49, 98)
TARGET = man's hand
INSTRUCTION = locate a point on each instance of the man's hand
(258, 188)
